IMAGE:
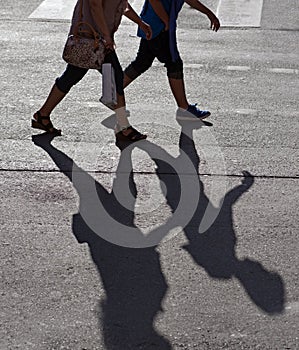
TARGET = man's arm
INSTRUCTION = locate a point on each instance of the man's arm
(196, 4)
(133, 16)
(160, 12)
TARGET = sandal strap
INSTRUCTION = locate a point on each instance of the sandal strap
(40, 119)
(134, 134)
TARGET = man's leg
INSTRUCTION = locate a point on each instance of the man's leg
(185, 111)
(143, 61)
(175, 78)
(177, 87)
(174, 70)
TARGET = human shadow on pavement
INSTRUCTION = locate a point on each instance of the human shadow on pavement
(132, 278)
(214, 250)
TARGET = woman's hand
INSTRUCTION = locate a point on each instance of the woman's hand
(109, 42)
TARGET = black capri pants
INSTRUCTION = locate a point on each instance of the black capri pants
(151, 49)
(72, 75)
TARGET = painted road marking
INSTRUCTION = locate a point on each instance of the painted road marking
(284, 70)
(238, 68)
(193, 65)
(236, 13)
(233, 68)
(292, 308)
(240, 13)
(246, 111)
(54, 10)
(63, 9)
(270, 70)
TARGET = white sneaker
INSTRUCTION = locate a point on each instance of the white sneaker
(191, 113)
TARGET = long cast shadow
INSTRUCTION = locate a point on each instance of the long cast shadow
(132, 278)
(214, 250)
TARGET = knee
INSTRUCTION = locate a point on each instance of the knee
(62, 86)
(175, 69)
(175, 75)
(135, 69)
(71, 76)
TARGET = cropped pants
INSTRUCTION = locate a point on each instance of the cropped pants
(72, 75)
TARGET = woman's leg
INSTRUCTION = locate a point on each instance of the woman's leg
(71, 76)
(120, 108)
(122, 127)
(54, 98)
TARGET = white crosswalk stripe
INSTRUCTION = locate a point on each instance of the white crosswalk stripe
(231, 13)
(63, 9)
(54, 10)
(238, 68)
(236, 13)
(284, 70)
(240, 13)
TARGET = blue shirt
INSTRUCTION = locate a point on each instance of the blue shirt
(175, 8)
(149, 16)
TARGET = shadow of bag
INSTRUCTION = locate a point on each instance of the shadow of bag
(84, 48)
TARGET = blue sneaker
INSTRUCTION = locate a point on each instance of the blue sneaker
(191, 113)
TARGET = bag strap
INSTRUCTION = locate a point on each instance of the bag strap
(92, 31)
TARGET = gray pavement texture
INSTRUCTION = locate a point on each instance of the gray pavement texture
(234, 286)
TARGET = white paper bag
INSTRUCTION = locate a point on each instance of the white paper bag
(108, 86)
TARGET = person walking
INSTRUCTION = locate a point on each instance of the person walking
(161, 15)
(105, 17)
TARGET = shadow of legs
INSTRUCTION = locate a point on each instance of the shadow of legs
(132, 278)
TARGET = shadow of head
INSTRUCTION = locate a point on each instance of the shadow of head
(134, 289)
(264, 287)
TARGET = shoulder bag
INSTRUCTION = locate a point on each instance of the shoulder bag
(84, 48)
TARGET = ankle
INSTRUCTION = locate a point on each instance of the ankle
(121, 128)
(183, 106)
(44, 112)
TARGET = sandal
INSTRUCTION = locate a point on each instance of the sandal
(133, 136)
(39, 124)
